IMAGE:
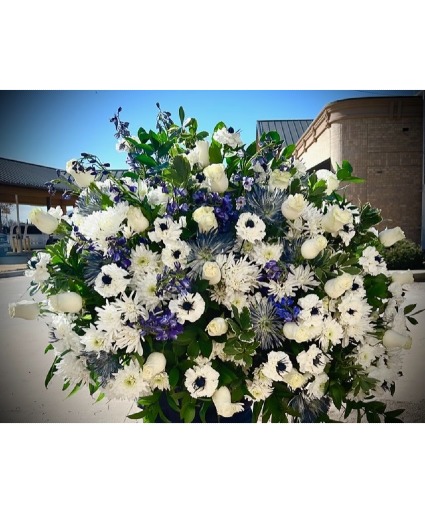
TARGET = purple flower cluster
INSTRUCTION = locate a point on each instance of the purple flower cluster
(172, 282)
(285, 309)
(162, 325)
(119, 252)
(272, 271)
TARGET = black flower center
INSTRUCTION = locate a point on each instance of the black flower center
(177, 254)
(231, 130)
(250, 224)
(378, 259)
(106, 279)
(199, 383)
(187, 305)
(317, 360)
(351, 311)
(314, 311)
(163, 226)
(281, 366)
(355, 286)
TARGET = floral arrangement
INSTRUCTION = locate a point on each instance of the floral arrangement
(215, 281)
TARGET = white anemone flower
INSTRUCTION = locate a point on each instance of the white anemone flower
(111, 281)
(250, 227)
(201, 381)
(313, 360)
(278, 364)
(188, 307)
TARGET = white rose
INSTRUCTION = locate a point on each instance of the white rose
(312, 248)
(299, 333)
(68, 302)
(279, 180)
(338, 286)
(293, 206)
(82, 178)
(402, 277)
(391, 236)
(211, 272)
(330, 178)
(205, 218)
(45, 222)
(136, 220)
(155, 364)
(216, 178)
(223, 403)
(203, 149)
(394, 340)
(217, 327)
(335, 219)
(27, 309)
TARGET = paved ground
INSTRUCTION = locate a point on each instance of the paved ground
(23, 367)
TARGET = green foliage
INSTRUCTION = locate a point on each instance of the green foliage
(404, 255)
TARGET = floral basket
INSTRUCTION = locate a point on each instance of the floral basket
(219, 282)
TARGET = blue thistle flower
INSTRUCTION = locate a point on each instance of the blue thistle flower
(265, 204)
(103, 364)
(309, 409)
(89, 203)
(266, 324)
(95, 261)
(206, 247)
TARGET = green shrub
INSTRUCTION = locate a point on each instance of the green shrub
(403, 255)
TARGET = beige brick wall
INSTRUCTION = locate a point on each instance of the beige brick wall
(370, 136)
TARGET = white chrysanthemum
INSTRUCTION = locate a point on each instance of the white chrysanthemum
(302, 277)
(146, 287)
(262, 253)
(131, 307)
(259, 390)
(365, 354)
(128, 384)
(317, 387)
(109, 319)
(111, 281)
(296, 380)
(278, 364)
(386, 369)
(63, 336)
(238, 275)
(157, 197)
(128, 338)
(201, 381)
(312, 221)
(188, 307)
(372, 262)
(175, 252)
(167, 230)
(95, 340)
(73, 370)
(357, 331)
(100, 225)
(332, 334)
(347, 236)
(39, 273)
(313, 360)
(144, 260)
(278, 290)
(250, 227)
(160, 381)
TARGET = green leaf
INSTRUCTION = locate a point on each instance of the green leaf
(408, 309)
(412, 320)
(205, 344)
(51, 371)
(245, 318)
(219, 126)
(215, 154)
(288, 151)
(193, 349)
(189, 414)
(182, 167)
(49, 347)
(138, 415)
(202, 135)
(181, 114)
(173, 377)
(146, 160)
(100, 397)
(337, 393)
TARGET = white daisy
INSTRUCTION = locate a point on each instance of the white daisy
(278, 364)
(108, 318)
(353, 309)
(111, 281)
(38, 268)
(365, 354)
(313, 360)
(188, 307)
(250, 227)
(160, 381)
(331, 334)
(201, 381)
(279, 290)
(62, 335)
(128, 384)
(302, 277)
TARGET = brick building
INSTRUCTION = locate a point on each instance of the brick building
(383, 139)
